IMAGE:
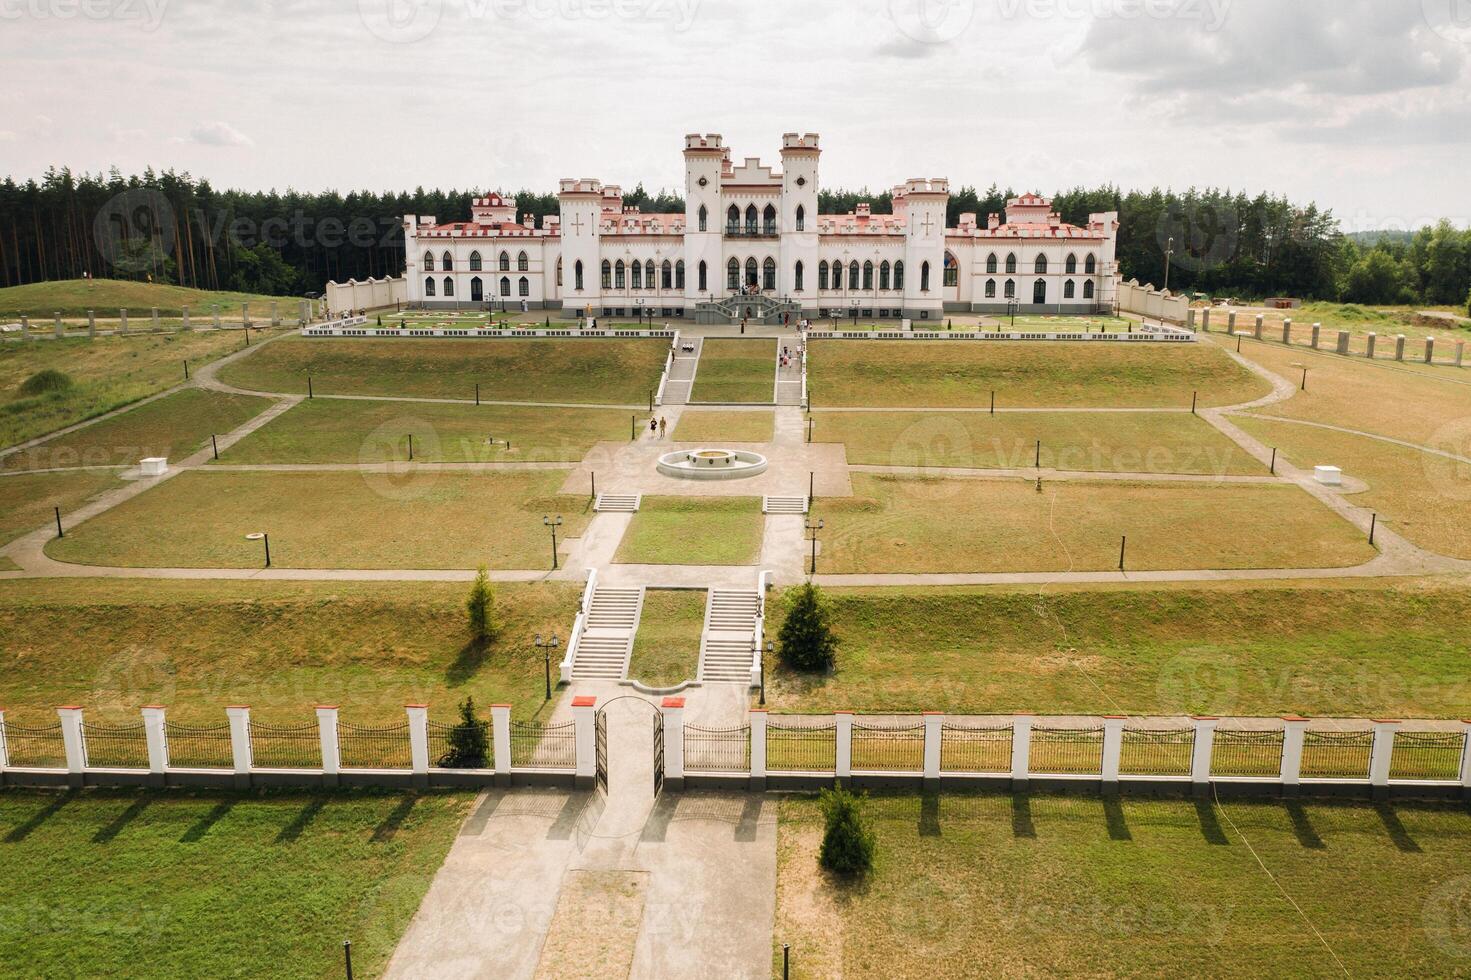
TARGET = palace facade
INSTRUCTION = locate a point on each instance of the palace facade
(751, 242)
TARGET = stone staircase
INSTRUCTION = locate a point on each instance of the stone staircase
(730, 627)
(627, 503)
(607, 636)
(783, 505)
(755, 309)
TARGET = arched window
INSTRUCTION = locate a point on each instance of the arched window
(428, 285)
(704, 277)
(1010, 289)
(523, 287)
(704, 217)
(751, 219)
(801, 217)
(733, 275)
(505, 262)
(733, 220)
(619, 271)
(884, 274)
(1087, 288)
(990, 288)
(474, 261)
(768, 221)
(607, 274)
(1040, 266)
(853, 274)
(666, 275)
(638, 274)
(449, 286)
(477, 290)
(991, 264)
(837, 275)
(1039, 292)
(768, 274)
(505, 285)
(428, 261)
(868, 275)
(822, 274)
(1070, 265)
(1067, 289)
(1011, 263)
(559, 272)
(1090, 265)
(521, 264)
(797, 277)
(649, 274)
(898, 275)
(448, 263)
(952, 270)
(679, 274)
(751, 270)
(577, 275)
(924, 277)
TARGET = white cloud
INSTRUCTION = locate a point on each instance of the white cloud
(218, 133)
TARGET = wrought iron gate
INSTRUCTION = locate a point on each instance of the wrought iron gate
(600, 732)
(658, 752)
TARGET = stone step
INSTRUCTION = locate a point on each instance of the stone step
(626, 503)
(603, 657)
(784, 505)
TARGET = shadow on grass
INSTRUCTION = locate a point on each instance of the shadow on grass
(1210, 823)
(207, 821)
(467, 662)
(1302, 826)
(302, 820)
(388, 829)
(25, 830)
(1113, 818)
(929, 815)
(107, 833)
(1396, 829)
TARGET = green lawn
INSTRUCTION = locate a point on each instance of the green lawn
(195, 884)
(416, 519)
(114, 645)
(595, 372)
(1361, 649)
(994, 885)
(1125, 442)
(666, 649)
(173, 426)
(694, 531)
(74, 297)
(955, 374)
(736, 371)
(105, 373)
(906, 524)
(721, 427)
(27, 499)
(332, 430)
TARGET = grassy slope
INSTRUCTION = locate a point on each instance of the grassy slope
(1024, 375)
(575, 371)
(333, 520)
(1366, 649)
(326, 430)
(667, 647)
(898, 524)
(736, 371)
(26, 500)
(694, 531)
(174, 426)
(721, 427)
(203, 884)
(107, 372)
(1119, 442)
(74, 297)
(1048, 886)
(115, 645)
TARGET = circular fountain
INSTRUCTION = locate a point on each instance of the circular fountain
(712, 464)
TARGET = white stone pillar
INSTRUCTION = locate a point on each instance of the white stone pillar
(1113, 750)
(1256, 329)
(1190, 318)
(217, 317)
(122, 323)
(184, 312)
(305, 313)
(500, 733)
(1343, 337)
(156, 325)
(91, 324)
(1201, 752)
(245, 314)
(584, 718)
(1465, 758)
(1429, 350)
(275, 314)
(673, 711)
(844, 735)
(4, 746)
(418, 715)
(1230, 322)
(933, 720)
(1317, 329)
(56, 328)
(1293, 729)
(1286, 329)
(1460, 351)
(239, 715)
(25, 328)
(1021, 750)
(1380, 754)
(1369, 345)
(327, 733)
(73, 741)
(157, 735)
(758, 748)
(1399, 347)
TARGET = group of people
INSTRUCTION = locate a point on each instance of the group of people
(787, 355)
(658, 428)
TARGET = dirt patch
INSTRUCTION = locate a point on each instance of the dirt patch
(595, 926)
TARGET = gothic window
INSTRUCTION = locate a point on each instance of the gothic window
(884, 274)
(733, 274)
(797, 277)
(523, 287)
(801, 218)
(449, 286)
(822, 274)
(607, 274)
(666, 275)
(505, 262)
(768, 274)
(853, 275)
(1067, 289)
(898, 275)
(1011, 263)
(704, 277)
(991, 264)
(704, 217)
(751, 271)
(521, 264)
(1070, 266)
(638, 275)
(733, 220)
(990, 288)
(679, 274)
(924, 277)
(577, 275)
(952, 270)
(477, 290)
(505, 285)
(1090, 265)
(868, 275)
(428, 285)
(1040, 266)
(448, 264)
(474, 261)
(768, 221)
(1087, 288)
(1011, 289)
(750, 219)
(1039, 292)
(619, 271)
(649, 274)
(428, 261)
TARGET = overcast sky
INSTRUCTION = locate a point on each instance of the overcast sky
(1363, 105)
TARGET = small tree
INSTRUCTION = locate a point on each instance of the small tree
(468, 740)
(806, 640)
(479, 607)
(847, 845)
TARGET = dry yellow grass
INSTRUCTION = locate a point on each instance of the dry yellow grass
(724, 426)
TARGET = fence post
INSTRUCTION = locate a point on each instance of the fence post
(1230, 322)
(1286, 329)
(1205, 320)
(239, 715)
(758, 749)
(1460, 352)
(500, 730)
(25, 328)
(673, 711)
(584, 718)
(1380, 754)
(418, 742)
(1429, 350)
(74, 743)
(1317, 329)
(1293, 729)
(843, 738)
(1021, 750)
(184, 323)
(91, 324)
(156, 326)
(327, 733)
(1343, 337)
(158, 746)
(1200, 755)
(933, 722)
(122, 326)
(275, 315)
(1465, 756)
(1369, 344)
(1399, 347)
(4, 748)
(57, 330)
(1113, 749)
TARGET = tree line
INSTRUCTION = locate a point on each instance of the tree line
(175, 228)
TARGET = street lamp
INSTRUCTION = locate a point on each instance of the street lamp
(263, 537)
(1169, 251)
(813, 528)
(770, 649)
(1304, 385)
(546, 647)
(553, 523)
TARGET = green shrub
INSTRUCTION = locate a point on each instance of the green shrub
(806, 641)
(45, 382)
(847, 844)
(469, 741)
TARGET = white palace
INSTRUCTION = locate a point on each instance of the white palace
(751, 243)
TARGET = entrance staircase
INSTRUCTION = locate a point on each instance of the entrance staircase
(755, 309)
(626, 503)
(607, 636)
(783, 505)
(730, 629)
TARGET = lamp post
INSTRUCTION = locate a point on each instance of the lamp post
(1011, 305)
(1169, 251)
(770, 649)
(1304, 385)
(546, 647)
(813, 529)
(264, 538)
(553, 523)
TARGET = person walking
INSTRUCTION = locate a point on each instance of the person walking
(653, 427)
(663, 426)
